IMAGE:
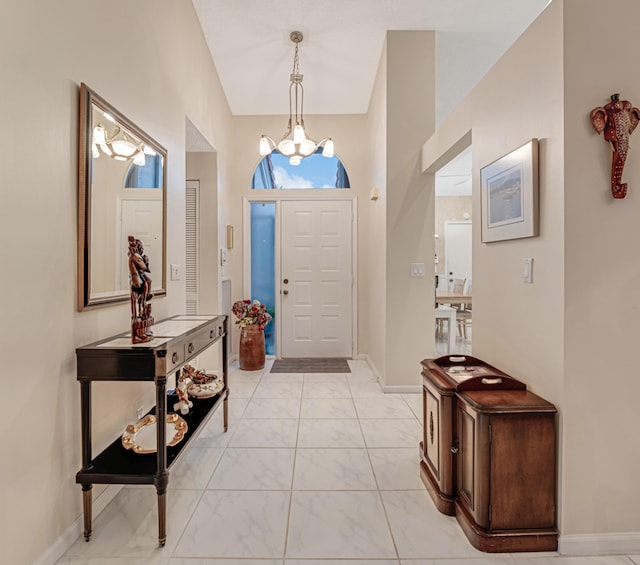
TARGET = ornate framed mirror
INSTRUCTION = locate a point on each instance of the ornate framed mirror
(122, 185)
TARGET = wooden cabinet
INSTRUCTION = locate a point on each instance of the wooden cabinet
(176, 341)
(488, 455)
(506, 470)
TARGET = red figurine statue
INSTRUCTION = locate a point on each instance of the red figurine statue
(140, 277)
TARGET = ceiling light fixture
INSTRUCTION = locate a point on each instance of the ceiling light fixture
(294, 143)
(119, 145)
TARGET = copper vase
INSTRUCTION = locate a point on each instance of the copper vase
(252, 351)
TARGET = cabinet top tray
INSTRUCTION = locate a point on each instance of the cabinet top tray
(464, 372)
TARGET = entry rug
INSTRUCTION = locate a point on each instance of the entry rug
(306, 365)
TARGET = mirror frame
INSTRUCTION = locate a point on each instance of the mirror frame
(89, 99)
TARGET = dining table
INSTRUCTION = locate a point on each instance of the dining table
(453, 298)
(445, 309)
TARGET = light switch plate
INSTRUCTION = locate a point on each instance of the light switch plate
(175, 272)
(417, 269)
(527, 270)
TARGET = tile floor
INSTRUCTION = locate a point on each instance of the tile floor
(316, 469)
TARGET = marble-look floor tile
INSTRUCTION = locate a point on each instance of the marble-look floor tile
(71, 560)
(328, 378)
(420, 531)
(323, 408)
(278, 389)
(213, 434)
(259, 408)
(237, 524)
(340, 562)
(330, 433)
(331, 389)
(282, 378)
(254, 468)
(265, 433)
(396, 468)
(366, 389)
(359, 366)
(128, 526)
(236, 406)
(225, 562)
(414, 401)
(242, 389)
(195, 468)
(388, 406)
(333, 469)
(338, 525)
(391, 433)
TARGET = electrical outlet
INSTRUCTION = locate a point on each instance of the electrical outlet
(139, 412)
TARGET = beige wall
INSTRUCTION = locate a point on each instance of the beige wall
(410, 109)
(373, 287)
(601, 458)
(47, 50)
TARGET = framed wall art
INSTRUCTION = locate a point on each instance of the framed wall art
(509, 195)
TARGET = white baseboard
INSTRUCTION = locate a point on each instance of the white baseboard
(75, 530)
(397, 389)
(599, 544)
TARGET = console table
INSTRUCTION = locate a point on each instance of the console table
(176, 341)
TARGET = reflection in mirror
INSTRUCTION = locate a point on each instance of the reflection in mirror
(122, 186)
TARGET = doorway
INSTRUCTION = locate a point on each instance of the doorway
(453, 255)
(309, 268)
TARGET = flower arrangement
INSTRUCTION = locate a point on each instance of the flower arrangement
(251, 313)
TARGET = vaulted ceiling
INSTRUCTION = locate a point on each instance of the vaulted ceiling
(343, 39)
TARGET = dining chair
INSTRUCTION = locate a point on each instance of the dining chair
(464, 314)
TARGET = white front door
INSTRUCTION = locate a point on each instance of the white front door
(316, 278)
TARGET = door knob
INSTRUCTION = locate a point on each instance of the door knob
(285, 292)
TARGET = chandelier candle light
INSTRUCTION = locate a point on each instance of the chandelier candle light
(120, 145)
(294, 143)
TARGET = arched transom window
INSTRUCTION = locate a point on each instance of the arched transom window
(315, 171)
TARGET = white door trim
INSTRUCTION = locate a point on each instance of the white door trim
(277, 197)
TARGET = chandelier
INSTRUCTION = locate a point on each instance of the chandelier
(294, 143)
(119, 145)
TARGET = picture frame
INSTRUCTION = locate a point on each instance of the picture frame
(509, 195)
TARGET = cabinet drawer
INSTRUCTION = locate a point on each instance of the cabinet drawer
(202, 340)
(175, 356)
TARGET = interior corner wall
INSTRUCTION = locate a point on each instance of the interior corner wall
(48, 49)
(373, 261)
(203, 167)
(602, 461)
(410, 95)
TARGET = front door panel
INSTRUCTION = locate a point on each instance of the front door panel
(316, 278)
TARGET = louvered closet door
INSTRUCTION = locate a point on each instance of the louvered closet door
(192, 241)
(316, 278)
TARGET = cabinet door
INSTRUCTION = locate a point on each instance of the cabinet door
(438, 437)
(523, 471)
(466, 439)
